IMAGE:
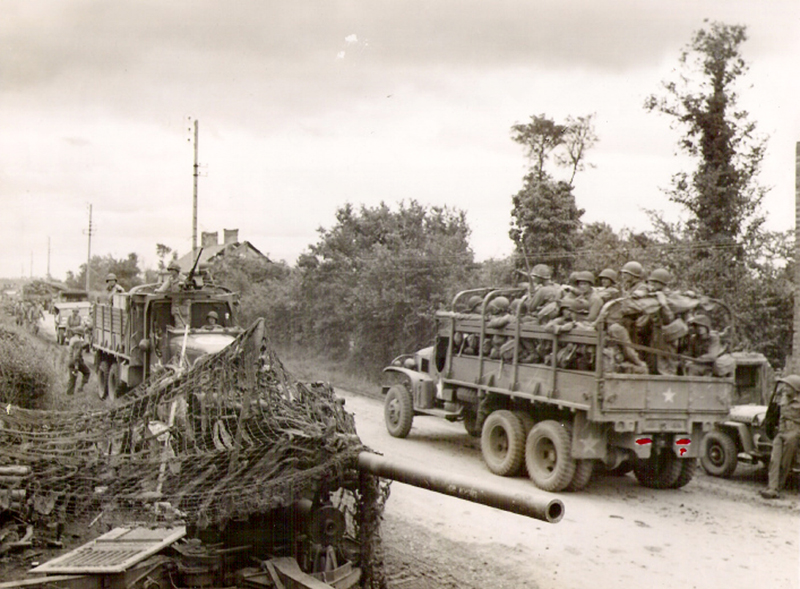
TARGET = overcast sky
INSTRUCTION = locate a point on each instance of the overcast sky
(304, 106)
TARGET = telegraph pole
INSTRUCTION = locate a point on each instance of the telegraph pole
(196, 173)
(48, 257)
(89, 249)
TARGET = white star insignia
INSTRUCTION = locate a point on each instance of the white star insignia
(589, 444)
(669, 396)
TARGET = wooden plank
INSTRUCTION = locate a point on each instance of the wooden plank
(114, 552)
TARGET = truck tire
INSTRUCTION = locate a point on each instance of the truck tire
(102, 379)
(503, 443)
(582, 476)
(718, 454)
(660, 471)
(548, 456)
(398, 411)
(116, 388)
(688, 468)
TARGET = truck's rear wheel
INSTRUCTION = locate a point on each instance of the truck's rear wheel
(582, 476)
(503, 443)
(660, 471)
(718, 454)
(548, 456)
(398, 411)
(688, 468)
(102, 379)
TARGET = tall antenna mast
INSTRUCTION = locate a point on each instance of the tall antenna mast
(89, 249)
(194, 195)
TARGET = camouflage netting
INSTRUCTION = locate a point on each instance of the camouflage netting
(231, 437)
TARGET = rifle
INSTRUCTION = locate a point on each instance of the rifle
(189, 282)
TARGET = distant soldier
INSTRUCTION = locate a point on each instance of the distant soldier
(74, 322)
(784, 445)
(112, 286)
(76, 363)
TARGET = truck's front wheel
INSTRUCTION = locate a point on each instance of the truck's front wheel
(398, 411)
(503, 443)
(102, 379)
(718, 454)
(548, 456)
(116, 388)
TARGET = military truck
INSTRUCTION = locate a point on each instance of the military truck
(558, 423)
(62, 307)
(137, 332)
(745, 435)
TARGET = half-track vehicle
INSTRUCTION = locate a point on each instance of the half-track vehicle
(559, 423)
(137, 332)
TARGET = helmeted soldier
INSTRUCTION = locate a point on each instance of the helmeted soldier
(786, 441)
(112, 286)
(173, 280)
(545, 290)
(631, 277)
(76, 363)
(211, 321)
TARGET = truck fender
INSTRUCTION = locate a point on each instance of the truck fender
(423, 387)
(741, 432)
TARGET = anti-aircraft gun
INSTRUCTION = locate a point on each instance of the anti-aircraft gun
(251, 479)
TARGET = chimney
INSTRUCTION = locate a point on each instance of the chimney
(231, 236)
(208, 238)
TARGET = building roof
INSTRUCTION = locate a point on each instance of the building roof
(213, 252)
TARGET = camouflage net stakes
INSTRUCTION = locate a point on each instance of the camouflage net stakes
(233, 436)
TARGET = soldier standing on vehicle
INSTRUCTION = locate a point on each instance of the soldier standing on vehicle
(112, 287)
(173, 281)
(76, 364)
(784, 446)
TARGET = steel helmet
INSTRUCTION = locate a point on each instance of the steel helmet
(474, 302)
(634, 269)
(174, 266)
(499, 304)
(111, 276)
(608, 273)
(213, 314)
(661, 275)
(542, 271)
(584, 276)
(701, 320)
(792, 380)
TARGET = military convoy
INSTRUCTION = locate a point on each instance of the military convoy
(136, 332)
(559, 424)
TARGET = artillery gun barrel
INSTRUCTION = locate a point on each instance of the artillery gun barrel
(549, 510)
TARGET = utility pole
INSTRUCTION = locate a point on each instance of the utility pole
(196, 173)
(89, 249)
(793, 364)
(48, 257)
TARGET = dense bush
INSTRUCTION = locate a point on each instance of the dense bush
(27, 372)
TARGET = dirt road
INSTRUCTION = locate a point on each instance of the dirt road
(711, 533)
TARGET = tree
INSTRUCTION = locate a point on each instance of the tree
(162, 251)
(545, 223)
(127, 271)
(371, 284)
(722, 194)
